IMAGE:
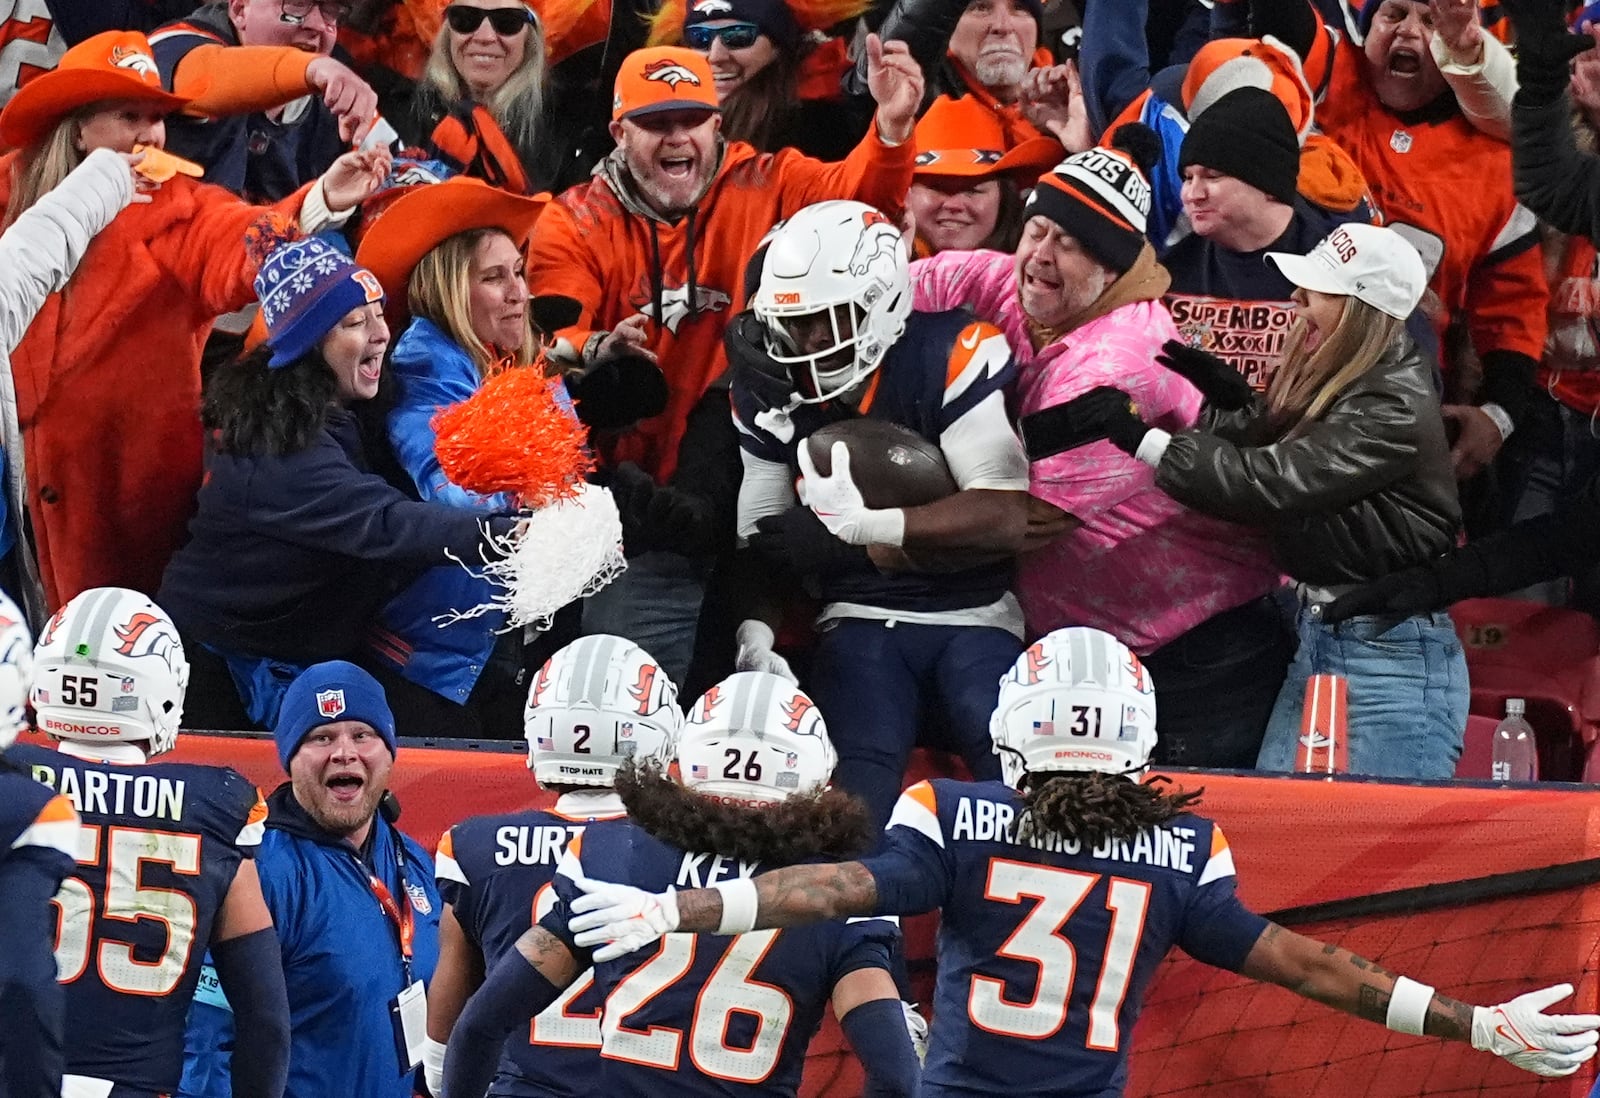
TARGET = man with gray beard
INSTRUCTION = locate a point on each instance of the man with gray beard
(1081, 302)
(977, 48)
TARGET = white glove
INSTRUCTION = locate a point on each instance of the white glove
(1545, 1044)
(433, 1065)
(837, 501)
(755, 653)
(620, 918)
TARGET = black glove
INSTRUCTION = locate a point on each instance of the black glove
(661, 517)
(797, 541)
(1217, 380)
(1101, 413)
(1545, 49)
(1411, 591)
(618, 392)
(745, 339)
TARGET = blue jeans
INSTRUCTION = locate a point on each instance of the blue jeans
(1408, 693)
(874, 683)
(656, 605)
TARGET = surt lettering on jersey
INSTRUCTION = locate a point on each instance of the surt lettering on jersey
(530, 844)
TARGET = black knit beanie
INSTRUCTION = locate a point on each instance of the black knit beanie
(1247, 134)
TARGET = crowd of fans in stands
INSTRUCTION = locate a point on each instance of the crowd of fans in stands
(1253, 474)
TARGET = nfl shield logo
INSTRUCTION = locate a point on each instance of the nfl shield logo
(127, 686)
(1400, 141)
(330, 703)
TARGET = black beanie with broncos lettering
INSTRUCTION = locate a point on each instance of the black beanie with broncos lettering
(1101, 196)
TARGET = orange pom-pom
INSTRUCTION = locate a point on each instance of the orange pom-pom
(512, 436)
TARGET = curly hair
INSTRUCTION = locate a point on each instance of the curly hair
(254, 410)
(1092, 807)
(827, 824)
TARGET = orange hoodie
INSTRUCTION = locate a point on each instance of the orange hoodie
(600, 246)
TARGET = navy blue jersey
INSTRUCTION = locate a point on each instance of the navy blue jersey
(1045, 950)
(699, 1014)
(157, 852)
(495, 873)
(38, 838)
(941, 368)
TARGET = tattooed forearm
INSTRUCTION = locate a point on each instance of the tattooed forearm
(1449, 1018)
(789, 897)
(1373, 1004)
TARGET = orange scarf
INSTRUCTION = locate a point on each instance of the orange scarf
(474, 142)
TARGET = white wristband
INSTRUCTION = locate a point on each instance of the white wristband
(1408, 1006)
(1153, 446)
(738, 906)
(1500, 418)
(885, 527)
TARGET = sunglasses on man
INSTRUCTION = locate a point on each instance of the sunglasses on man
(334, 12)
(465, 19)
(735, 36)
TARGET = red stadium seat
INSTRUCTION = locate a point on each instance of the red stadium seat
(1549, 656)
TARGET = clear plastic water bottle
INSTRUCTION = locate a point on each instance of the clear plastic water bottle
(1515, 756)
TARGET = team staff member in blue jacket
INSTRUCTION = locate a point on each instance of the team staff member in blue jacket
(352, 897)
(297, 543)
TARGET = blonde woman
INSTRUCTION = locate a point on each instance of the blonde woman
(451, 254)
(479, 104)
(1344, 464)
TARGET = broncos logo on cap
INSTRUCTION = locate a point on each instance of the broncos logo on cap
(714, 7)
(670, 73)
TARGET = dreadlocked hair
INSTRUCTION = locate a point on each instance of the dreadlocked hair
(828, 823)
(255, 410)
(1092, 807)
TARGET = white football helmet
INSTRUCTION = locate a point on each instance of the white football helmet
(16, 670)
(595, 704)
(1078, 699)
(841, 265)
(755, 736)
(110, 667)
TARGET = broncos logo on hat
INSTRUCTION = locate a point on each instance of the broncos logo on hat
(670, 73)
(142, 63)
(714, 7)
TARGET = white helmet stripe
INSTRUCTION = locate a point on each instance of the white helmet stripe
(589, 676)
(92, 622)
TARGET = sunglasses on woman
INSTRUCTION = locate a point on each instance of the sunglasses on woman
(735, 36)
(464, 19)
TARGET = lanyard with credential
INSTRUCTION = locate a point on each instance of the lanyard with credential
(399, 914)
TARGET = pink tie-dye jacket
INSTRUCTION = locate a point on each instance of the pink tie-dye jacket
(1141, 566)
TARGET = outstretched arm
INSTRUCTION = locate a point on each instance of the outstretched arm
(1519, 1030)
(619, 919)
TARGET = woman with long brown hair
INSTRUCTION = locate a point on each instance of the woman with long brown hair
(777, 70)
(1345, 466)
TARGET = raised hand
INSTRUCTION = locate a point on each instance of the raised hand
(896, 83)
(354, 177)
(348, 98)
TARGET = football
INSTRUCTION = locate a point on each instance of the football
(892, 465)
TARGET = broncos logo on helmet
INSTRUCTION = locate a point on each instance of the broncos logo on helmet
(147, 635)
(640, 690)
(795, 710)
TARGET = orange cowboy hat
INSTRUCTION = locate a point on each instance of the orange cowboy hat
(113, 65)
(962, 138)
(419, 218)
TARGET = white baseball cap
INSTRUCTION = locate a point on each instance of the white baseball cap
(1366, 262)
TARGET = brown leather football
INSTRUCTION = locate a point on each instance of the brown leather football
(892, 465)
